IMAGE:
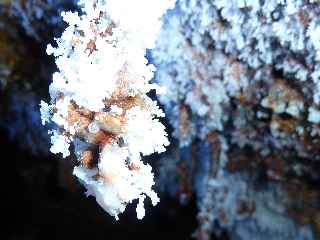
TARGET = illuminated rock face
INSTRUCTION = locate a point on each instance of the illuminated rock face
(243, 97)
(99, 99)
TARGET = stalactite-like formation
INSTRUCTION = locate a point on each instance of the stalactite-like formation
(99, 101)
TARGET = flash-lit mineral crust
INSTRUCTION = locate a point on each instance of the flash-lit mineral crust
(243, 100)
(242, 81)
(99, 100)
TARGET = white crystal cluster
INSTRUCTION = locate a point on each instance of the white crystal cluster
(210, 52)
(245, 72)
(99, 101)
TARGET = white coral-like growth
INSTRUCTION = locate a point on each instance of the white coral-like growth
(99, 101)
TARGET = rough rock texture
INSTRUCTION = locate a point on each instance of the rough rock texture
(40, 198)
(243, 100)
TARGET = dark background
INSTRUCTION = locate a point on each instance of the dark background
(37, 205)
